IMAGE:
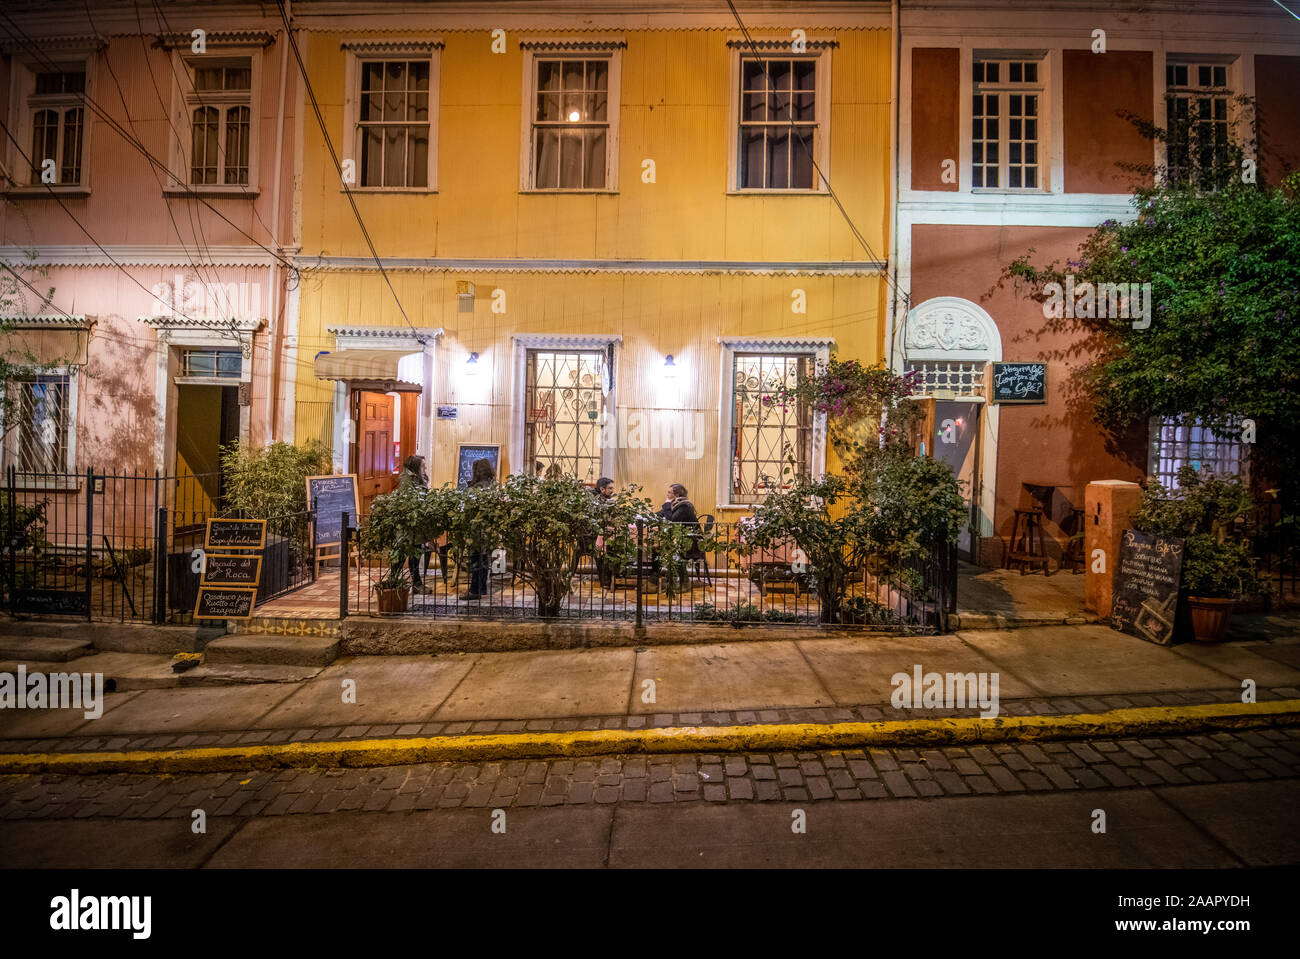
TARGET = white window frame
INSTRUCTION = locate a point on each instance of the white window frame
(185, 100)
(406, 51)
(1238, 118)
(818, 49)
(535, 49)
(1041, 88)
(12, 440)
(818, 348)
(22, 89)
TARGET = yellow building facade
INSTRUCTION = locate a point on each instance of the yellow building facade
(610, 241)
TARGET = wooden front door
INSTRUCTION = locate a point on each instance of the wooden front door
(375, 466)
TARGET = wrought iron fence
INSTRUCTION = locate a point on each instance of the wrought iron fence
(122, 546)
(718, 580)
(1271, 533)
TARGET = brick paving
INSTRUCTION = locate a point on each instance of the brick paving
(1057, 706)
(822, 776)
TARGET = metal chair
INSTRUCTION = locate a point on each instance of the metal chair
(697, 555)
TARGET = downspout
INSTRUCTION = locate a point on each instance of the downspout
(277, 328)
(895, 84)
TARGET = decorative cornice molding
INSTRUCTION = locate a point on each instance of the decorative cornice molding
(36, 321)
(404, 334)
(391, 46)
(133, 255)
(781, 46)
(951, 328)
(592, 341)
(777, 342)
(249, 324)
(530, 265)
(592, 45)
(217, 38)
(59, 44)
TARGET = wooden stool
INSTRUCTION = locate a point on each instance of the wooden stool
(1073, 557)
(1027, 541)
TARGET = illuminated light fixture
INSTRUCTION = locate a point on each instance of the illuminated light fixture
(574, 116)
(471, 365)
(670, 368)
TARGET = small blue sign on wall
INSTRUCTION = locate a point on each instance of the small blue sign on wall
(446, 412)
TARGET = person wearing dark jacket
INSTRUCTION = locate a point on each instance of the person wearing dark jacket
(414, 474)
(678, 508)
(482, 474)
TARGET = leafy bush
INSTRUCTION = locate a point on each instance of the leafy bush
(271, 481)
(1204, 513)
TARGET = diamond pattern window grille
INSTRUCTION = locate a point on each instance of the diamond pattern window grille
(766, 434)
(960, 378)
(565, 399)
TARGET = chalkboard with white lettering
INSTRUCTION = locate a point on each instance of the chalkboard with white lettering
(1146, 586)
(331, 497)
(230, 533)
(225, 602)
(1018, 383)
(55, 602)
(465, 464)
(232, 569)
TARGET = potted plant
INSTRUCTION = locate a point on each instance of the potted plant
(393, 589)
(1218, 569)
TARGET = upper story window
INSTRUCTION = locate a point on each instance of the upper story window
(214, 363)
(571, 136)
(393, 123)
(780, 122)
(391, 115)
(58, 125)
(1005, 114)
(220, 108)
(1196, 110)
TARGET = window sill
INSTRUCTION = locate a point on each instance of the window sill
(57, 484)
(601, 192)
(401, 190)
(235, 192)
(778, 193)
(26, 192)
(1009, 191)
(737, 507)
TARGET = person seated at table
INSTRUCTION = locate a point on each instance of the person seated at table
(604, 491)
(678, 508)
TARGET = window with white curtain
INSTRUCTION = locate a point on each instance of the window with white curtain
(572, 130)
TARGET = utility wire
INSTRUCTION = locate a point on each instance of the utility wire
(324, 132)
(33, 50)
(857, 233)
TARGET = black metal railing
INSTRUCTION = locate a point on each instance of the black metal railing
(122, 546)
(718, 580)
(1272, 535)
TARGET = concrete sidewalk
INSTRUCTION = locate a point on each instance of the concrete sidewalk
(1053, 670)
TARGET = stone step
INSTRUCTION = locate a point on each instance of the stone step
(44, 649)
(118, 637)
(275, 650)
(238, 674)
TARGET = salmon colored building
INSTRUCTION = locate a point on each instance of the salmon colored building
(1011, 139)
(146, 225)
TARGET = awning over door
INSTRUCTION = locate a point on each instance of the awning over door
(370, 365)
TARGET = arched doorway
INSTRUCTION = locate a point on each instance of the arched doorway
(950, 341)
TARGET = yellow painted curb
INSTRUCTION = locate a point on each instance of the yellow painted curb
(1118, 723)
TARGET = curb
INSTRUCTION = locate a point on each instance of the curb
(1126, 723)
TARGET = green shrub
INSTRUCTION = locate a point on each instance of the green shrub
(271, 481)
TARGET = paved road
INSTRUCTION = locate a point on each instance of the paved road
(1227, 799)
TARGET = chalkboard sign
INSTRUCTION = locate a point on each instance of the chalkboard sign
(1018, 383)
(225, 602)
(1146, 586)
(468, 454)
(330, 497)
(232, 569)
(55, 602)
(229, 533)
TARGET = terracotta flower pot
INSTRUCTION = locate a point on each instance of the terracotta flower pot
(1210, 617)
(393, 600)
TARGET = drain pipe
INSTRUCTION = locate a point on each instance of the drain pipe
(275, 334)
(895, 16)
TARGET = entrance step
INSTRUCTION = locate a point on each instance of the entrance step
(117, 637)
(43, 649)
(270, 649)
(239, 674)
